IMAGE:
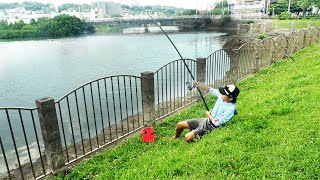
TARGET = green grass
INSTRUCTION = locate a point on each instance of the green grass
(275, 136)
(299, 24)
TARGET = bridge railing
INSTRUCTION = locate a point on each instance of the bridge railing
(139, 20)
(146, 17)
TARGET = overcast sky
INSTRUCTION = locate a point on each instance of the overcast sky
(190, 4)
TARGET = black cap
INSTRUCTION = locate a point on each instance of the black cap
(230, 90)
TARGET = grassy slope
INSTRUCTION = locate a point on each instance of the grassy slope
(276, 134)
(299, 24)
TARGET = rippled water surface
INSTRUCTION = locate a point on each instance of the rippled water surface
(30, 70)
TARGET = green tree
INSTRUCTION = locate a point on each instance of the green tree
(136, 9)
(221, 4)
(34, 6)
(9, 5)
(59, 26)
(304, 4)
(282, 6)
(279, 7)
(189, 12)
(75, 7)
(85, 8)
(65, 25)
(3, 25)
(221, 8)
(32, 22)
(17, 26)
(224, 20)
(68, 6)
(317, 4)
(123, 6)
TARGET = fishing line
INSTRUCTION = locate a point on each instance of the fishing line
(158, 24)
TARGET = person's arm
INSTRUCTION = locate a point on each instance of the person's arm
(210, 90)
(201, 86)
(225, 117)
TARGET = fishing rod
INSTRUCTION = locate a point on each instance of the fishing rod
(158, 24)
(286, 54)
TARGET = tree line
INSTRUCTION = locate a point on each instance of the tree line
(29, 6)
(34, 6)
(296, 6)
(59, 26)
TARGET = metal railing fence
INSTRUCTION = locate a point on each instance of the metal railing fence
(170, 81)
(98, 113)
(21, 144)
(218, 68)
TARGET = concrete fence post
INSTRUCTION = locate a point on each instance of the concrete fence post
(250, 29)
(201, 69)
(148, 100)
(309, 24)
(50, 133)
(201, 73)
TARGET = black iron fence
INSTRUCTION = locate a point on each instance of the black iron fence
(35, 142)
(98, 113)
(21, 143)
(170, 81)
(218, 68)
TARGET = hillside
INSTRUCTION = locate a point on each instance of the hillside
(275, 136)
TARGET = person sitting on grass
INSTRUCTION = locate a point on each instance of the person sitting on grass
(223, 110)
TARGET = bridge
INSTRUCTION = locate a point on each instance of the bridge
(181, 21)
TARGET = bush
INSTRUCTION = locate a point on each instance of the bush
(248, 22)
(313, 17)
(262, 36)
(284, 16)
(90, 29)
(216, 12)
(224, 20)
(207, 21)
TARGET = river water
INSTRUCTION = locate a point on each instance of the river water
(30, 70)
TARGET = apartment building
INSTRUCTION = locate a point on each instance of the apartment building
(106, 8)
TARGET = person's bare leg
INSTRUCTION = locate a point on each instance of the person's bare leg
(189, 136)
(179, 128)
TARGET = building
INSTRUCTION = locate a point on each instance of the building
(250, 2)
(251, 8)
(264, 5)
(106, 8)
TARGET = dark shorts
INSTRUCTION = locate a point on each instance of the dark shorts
(200, 126)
